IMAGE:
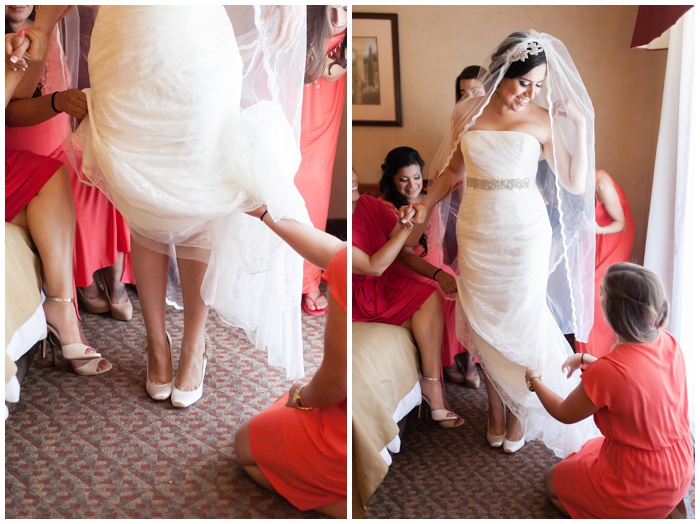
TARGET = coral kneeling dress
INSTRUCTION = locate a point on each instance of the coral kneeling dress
(643, 465)
(304, 453)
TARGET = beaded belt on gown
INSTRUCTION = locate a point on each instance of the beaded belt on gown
(496, 184)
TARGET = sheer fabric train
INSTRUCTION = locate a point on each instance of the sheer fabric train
(188, 128)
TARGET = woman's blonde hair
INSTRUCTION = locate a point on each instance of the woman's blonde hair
(635, 302)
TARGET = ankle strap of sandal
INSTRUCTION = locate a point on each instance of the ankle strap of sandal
(430, 378)
(59, 299)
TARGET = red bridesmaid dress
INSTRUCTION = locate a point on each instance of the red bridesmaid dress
(393, 297)
(101, 233)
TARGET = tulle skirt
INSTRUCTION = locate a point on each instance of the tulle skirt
(167, 142)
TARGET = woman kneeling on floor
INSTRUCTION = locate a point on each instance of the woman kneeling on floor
(637, 394)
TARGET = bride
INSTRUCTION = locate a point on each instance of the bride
(186, 131)
(508, 245)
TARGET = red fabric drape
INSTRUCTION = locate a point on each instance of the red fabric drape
(654, 20)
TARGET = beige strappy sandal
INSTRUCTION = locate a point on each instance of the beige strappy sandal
(75, 351)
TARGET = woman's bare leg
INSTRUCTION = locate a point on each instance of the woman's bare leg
(50, 220)
(497, 416)
(112, 276)
(427, 324)
(549, 486)
(334, 511)
(189, 369)
(151, 273)
(246, 460)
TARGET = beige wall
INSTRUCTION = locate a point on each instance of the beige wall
(436, 42)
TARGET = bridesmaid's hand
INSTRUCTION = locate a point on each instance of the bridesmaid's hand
(292, 393)
(257, 213)
(406, 214)
(72, 102)
(16, 46)
(571, 364)
(447, 282)
(531, 373)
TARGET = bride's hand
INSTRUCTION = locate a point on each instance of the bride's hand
(289, 26)
(568, 109)
(421, 213)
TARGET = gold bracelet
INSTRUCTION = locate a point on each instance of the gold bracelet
(529, 382)
(297, 400)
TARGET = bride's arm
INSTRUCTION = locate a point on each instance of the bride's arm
(446, 182)
(571, 168)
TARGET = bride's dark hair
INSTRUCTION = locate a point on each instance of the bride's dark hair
(517, 67)
(396, 159)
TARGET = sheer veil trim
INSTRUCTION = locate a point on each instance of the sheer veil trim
(570, 291)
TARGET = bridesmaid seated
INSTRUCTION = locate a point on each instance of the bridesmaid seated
(402, 184)
(40, 123)
(643, 465)
(298, 446)
(381, 291)
(38, 199)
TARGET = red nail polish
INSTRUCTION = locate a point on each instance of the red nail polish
(21, 32)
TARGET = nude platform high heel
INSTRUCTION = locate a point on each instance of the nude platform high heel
(122, 311)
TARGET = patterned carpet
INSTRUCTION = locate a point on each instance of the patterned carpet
(99, 447)
(454, 473)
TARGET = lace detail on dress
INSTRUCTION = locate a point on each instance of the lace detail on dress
(494, 185)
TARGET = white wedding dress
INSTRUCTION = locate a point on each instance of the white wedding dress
(504, 237)
(167, 142)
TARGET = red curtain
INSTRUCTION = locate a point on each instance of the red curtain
(654, 20)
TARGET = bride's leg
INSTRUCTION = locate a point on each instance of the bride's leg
(189, 370)
(151, 272)
(497, 415)
(516, 429)
(426, 325)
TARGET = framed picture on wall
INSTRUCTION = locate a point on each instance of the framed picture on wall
(376, 85)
